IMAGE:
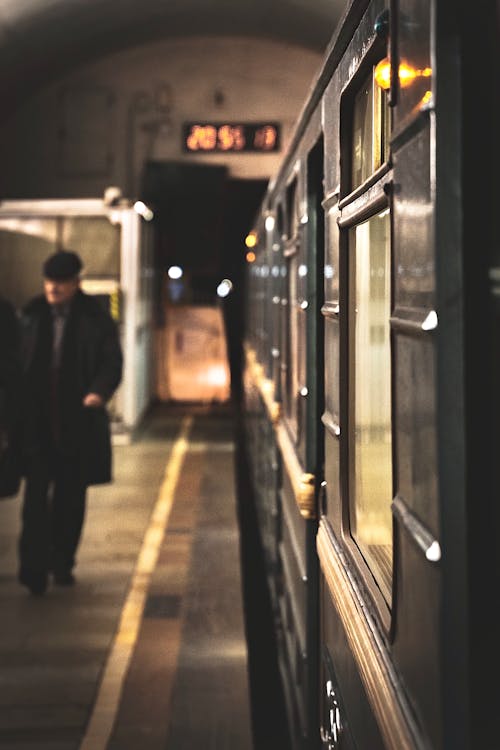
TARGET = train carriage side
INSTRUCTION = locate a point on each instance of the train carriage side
(378, 538)
(392, 537)
(364, 397)
(281, 384)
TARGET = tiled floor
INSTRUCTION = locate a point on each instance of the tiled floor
(148, 650)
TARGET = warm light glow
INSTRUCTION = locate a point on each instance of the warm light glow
(231, 137)
(407, 74)
(265, 138)
(251, 239)
(214, 375)
(250, 256)
(382, 74)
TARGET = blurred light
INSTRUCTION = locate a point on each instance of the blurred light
(433, 553)
(382, 74)
(269, 224)
(431, 321)
(175, 272)
(251, 239)
(407, 74)
(112, 195)
(215, 375)
(250, 256)
(141, 209)
(224, 287)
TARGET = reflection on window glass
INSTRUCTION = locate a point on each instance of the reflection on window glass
(371, 131)
(371, 519)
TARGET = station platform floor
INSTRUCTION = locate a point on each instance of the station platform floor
(151, 648)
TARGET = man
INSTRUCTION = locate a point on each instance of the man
(72, 364)
(9, 403)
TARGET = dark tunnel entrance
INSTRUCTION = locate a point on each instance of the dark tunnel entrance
(202, 216)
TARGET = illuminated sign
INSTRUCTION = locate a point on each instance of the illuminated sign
(232, 137)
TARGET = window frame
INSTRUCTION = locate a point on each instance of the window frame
(357, 204)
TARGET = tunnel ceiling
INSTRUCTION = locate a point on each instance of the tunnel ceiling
(41, 39)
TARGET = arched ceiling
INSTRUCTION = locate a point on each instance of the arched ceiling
(40, 39)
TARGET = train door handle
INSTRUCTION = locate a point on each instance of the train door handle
(330, 737)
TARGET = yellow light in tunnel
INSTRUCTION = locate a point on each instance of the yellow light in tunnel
(251, 239)
(250, 256)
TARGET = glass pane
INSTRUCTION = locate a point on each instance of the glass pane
(97, 241)
(371, 131)
(371, 495)
(362, 146)
(332, 379)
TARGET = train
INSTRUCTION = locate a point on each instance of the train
(370, 386)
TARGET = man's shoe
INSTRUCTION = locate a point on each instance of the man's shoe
(64, 578)
(37, 584)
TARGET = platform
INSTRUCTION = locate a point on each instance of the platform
(148, 649)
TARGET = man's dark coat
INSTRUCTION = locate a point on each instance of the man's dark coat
(91, 363)
(9, 400)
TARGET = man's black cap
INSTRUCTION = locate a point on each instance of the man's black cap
(62, 265)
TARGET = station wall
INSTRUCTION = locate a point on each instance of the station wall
(99, 124)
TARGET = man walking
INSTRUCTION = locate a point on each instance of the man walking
(9, 402)
(72, 364)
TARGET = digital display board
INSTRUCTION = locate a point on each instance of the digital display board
(231, 137)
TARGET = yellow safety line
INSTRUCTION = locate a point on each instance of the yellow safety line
(105, 709)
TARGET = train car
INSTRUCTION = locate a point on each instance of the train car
(371, 386)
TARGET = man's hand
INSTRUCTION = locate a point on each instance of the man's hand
(93, 399)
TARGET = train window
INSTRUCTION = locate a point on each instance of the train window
(371, 433)
(292, 212)
(294, 320)
(371, 131)
(291, 345)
